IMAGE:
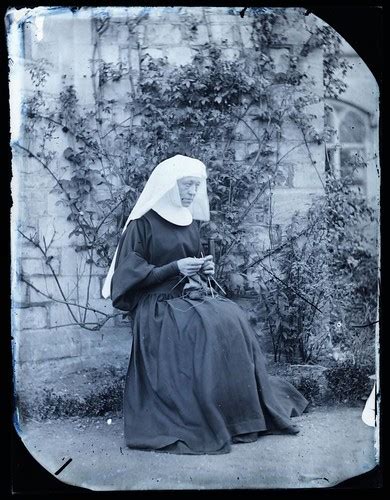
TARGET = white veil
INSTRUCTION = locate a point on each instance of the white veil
(161, 193)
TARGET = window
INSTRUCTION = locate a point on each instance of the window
(347, 136)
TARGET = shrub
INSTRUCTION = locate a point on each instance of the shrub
(323, 294)
(348, 382)
(310, 388)
(105, 399)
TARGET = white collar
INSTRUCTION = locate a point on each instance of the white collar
(169, 207)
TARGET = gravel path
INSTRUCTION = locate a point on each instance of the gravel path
(333, 445)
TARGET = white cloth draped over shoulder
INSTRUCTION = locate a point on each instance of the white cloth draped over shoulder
(161, 193)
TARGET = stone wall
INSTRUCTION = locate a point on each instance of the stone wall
(65, 39)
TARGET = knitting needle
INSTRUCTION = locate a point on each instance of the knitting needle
(208, 279)
(211, 288)
(215, 281)
(219, 286)
(178, 282)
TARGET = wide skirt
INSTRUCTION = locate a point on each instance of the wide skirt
(197, 379)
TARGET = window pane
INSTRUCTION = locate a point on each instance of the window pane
(352, 128)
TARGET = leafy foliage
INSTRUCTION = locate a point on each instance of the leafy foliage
(335, 65)
(107, 397)
(199, 109)
(319, 266)
(293, 306)
(348, 382)
(329, 256)
(353, 270)
(310, 388)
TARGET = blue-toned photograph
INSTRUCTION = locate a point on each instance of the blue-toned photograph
(195, 247)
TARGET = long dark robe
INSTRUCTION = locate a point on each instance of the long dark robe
(197, 378)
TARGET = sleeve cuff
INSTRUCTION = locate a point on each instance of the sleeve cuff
(166, 271)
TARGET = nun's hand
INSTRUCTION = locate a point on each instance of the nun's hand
(208, 267)
(190, 265)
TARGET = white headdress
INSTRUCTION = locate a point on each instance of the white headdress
(161, 194)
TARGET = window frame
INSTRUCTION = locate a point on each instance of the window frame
(338, 110)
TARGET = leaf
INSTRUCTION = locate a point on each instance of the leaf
(68, 153)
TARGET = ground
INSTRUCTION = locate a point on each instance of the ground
(333, 445)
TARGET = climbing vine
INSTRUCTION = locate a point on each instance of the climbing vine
(202, 109)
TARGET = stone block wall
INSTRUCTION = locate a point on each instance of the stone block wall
(65, 39)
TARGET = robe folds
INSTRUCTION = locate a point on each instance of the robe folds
(197, 379)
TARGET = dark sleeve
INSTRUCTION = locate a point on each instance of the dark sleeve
(201, 251)
(132, 271)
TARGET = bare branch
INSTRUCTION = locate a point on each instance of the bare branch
(91, 145)
(67, 302)
(47, 261)
(97, 326)
(240, 118)
(83, 324)
(59, 183)
(108, 214)
(365, 326)
(117, 125)
(89, 283)
(290, 288)
(280, 247)
(311, 157)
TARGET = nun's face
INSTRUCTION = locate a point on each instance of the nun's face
(188, 187)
